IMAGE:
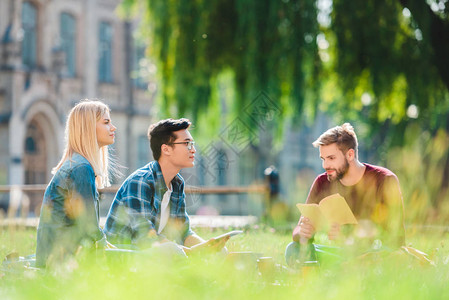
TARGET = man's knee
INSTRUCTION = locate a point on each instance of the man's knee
(292, 248)
(295, 254)
(292, 254)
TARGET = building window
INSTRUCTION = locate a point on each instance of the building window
(143, 150)
(68, 42)
(222, 165)
(105, 53)
(139, 73)
(29, 27)
(30, 145)
(35, 156)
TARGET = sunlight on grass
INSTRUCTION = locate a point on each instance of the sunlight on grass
(95, 276)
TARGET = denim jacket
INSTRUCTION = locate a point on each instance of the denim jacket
(70, 212)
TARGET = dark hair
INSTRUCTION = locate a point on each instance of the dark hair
(344, 136)
(162, 132)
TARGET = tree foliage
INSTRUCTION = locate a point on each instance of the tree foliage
(387, 49)
(392, 53)
(263, 45)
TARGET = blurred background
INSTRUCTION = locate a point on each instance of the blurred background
(260, 79)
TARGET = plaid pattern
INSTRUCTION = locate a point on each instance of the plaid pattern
(137, 204)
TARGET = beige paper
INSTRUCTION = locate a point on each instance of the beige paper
(332, 209)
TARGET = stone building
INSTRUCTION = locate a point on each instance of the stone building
(52, 54)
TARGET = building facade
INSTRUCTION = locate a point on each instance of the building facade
(54, 53)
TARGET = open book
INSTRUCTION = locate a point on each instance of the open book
(216, 240)
(225, 235)
(332, 209)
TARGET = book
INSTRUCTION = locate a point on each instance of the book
(216, 240)
(230, 233)
(332, 209)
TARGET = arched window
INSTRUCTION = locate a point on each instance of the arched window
(68, 42)
(29, 27)
(30, 145)
(105, 52)
(35, 157)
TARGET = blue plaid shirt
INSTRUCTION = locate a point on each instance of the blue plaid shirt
(137, 204)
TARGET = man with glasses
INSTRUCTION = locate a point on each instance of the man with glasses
(149, 208)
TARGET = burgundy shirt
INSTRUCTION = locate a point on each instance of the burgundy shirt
(376, 197)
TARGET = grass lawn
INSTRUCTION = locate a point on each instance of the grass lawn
(215, 277)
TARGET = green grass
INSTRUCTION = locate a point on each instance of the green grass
(214, 277)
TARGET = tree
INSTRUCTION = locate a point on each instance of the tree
(390, 54)
(261, 45)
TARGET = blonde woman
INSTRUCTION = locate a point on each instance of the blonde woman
(70, 209)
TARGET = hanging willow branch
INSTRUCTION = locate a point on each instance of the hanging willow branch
(260, 43)
(271, 46)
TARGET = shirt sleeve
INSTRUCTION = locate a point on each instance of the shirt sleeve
(314, 191)
(129, 219)
(82, 204)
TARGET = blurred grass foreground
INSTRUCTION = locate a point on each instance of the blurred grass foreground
(378, 276)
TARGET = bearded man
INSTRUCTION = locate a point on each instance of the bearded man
(372, 193)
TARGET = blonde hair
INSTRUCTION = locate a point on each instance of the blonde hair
(344, 136)
(81, 137)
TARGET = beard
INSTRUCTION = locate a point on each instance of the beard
(339, 172)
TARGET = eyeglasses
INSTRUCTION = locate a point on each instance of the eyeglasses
(189, 144)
